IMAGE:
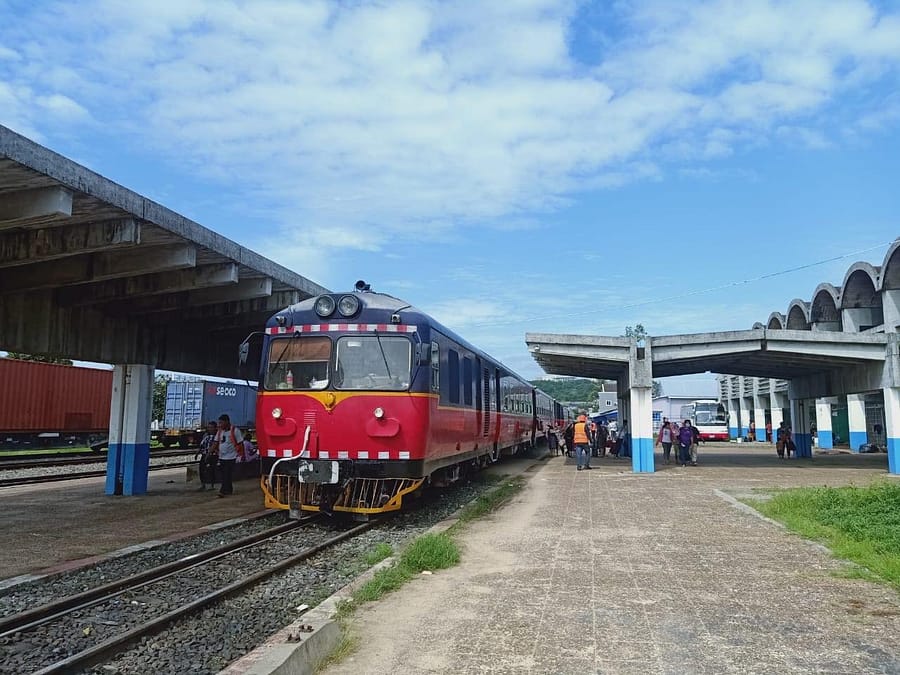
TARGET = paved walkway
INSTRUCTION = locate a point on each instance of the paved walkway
(608, 572)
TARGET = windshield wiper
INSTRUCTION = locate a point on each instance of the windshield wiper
(287, 343)
(383, 356)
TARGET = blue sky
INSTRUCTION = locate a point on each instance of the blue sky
(508, 167)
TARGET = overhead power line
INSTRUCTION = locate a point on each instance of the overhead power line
(689, 294)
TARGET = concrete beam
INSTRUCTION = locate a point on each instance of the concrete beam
(144, 261)
(54, 243)
(19, 208)
(180, 302)
(206, 277)
(45, 275)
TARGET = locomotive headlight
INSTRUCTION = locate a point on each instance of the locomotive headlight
(348, 305)
(324, 305)
(379, 413)
(276, 413)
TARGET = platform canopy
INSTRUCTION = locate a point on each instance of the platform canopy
(93, 271)
(832, 360)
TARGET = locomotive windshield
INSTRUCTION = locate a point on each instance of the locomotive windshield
(369, 362)
(298, 363)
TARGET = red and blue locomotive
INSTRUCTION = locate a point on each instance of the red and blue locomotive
(363, 398)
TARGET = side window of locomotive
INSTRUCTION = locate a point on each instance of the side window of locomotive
(435, 367)
(467, 380)
(298, 363)
(453, 375)
(373, 363)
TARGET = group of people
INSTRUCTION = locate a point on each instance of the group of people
(222, 446)
(582, 440)
(686, 438)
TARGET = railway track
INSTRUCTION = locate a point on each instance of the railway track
(42, 463)
(146, 603)
(53, 478)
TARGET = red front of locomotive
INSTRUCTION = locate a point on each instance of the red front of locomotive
(343, 411)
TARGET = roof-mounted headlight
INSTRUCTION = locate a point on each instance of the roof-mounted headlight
(324, 306)
(348, 305)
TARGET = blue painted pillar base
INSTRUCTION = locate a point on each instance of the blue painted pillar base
(128, 463)
(804, 445)
(893, 452)
(733, 432)
(642, 460)
(857, 439)
(826, 440)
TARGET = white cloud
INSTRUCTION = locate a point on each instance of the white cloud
(360, 123)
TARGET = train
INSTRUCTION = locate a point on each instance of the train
(363, 399)
(190, 404)
(52, 405)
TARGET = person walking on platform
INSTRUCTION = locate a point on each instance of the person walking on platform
(552, 440)
(665, 439)
(695, 444)
(227, 445)
(582, 440)
(603, 436)
(569, 439)
(207, 468)
(685, 439)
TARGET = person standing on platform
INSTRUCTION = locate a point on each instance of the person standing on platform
(582, 439)
(569, 438)
(228, 444)
(695, 444)
(207, 468)
(685, 440)
(751, 432)
(768, 432)
(552, 440)
(603, 434)
(665, 439)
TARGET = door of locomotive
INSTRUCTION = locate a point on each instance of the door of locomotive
(479, 401)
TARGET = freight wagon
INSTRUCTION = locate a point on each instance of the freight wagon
(190, 404)
(51, 405)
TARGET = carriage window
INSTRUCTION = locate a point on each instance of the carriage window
(368, 362)
(298, 363)
(435, 367)
(467, 381)
(453, 375)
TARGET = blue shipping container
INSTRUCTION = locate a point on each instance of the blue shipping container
(192, 403)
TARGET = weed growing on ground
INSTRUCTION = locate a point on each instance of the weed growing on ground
(491, 501)
(428, 552)
(379, 553)
(861, 524)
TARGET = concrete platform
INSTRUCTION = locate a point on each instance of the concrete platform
(58, 525)
(606, 571)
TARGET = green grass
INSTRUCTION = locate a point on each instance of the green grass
(377, 554)
(858, 524)
(426, 553)
(492, 500)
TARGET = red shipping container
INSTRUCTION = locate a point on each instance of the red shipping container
(37, 397)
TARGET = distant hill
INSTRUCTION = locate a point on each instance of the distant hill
(570, 389)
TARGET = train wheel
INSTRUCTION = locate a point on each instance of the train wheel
(184, 442)
(167, 443)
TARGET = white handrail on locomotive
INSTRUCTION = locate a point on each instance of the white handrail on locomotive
(710, 418)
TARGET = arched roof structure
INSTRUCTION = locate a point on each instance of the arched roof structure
(825, 303)
(860, 287)
(798, 315)
(776, 320)
(890, 269)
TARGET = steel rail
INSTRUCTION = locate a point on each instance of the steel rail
(36, 616)
(43, 462)
(98, 652)
(54, 478)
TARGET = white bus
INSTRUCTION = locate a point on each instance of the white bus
(709, 417)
